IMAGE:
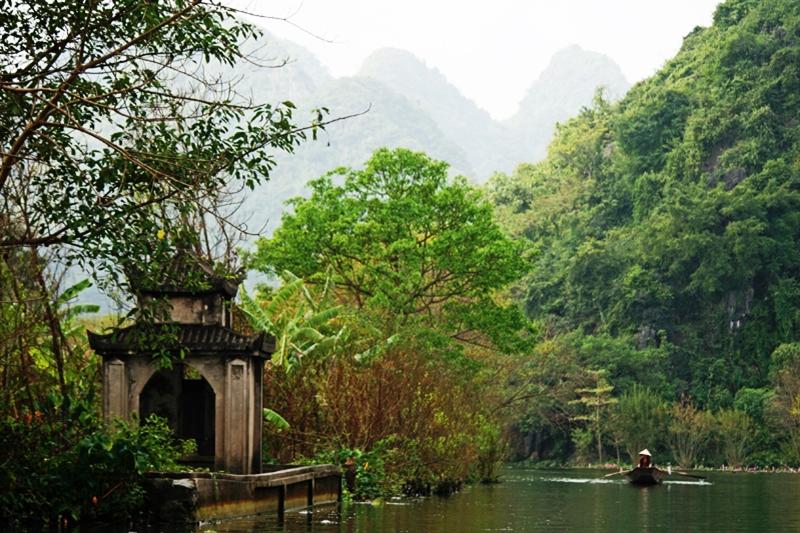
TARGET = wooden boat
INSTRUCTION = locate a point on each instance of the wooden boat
(650, 475)
(645, 475)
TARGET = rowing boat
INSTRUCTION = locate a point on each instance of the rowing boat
(645, 475)
(650, 475)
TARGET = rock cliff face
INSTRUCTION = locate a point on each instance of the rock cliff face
(472, 129)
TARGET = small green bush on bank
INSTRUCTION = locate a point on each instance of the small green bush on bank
(396, 466)
(372, 478)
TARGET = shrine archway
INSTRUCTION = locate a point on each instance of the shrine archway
(187, 400)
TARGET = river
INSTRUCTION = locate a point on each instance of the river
(565, 500)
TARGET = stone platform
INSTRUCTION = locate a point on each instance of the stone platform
(192, 497)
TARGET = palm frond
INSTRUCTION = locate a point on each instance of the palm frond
(259, 318)
(323, 317)
(376, 350)
(283, 295)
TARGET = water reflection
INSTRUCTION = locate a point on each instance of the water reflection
(565, 500)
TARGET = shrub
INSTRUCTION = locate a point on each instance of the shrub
(64, 465)
(735, 433)
(640, 420)
(690, 429)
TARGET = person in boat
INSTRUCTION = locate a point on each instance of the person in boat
(645, 459)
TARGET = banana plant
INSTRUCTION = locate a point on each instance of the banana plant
(296, 319)
(69, 313)
(275, 420)
(71, 329)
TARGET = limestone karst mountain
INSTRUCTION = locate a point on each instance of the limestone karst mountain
(413, 105)
(471, 128)
(383, 118)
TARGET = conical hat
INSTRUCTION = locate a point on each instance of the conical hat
(645, 452)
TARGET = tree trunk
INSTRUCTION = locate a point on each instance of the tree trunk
(53, 323)
(599, 447)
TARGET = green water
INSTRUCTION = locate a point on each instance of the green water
(566, 500)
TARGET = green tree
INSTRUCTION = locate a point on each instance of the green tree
(784, 409)
(110, 131)
(596, 402)
(735, 433)
(403, 242)
(418, 265)
(551, 376)
(115, 139)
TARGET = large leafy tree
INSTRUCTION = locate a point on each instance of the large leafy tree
(405, 243)
(120, 137)
(431, 350)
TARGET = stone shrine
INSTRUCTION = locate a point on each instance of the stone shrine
(213, 391)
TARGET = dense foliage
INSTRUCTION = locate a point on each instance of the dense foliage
(112, 132)
(58, 470)
(412, 262)
(667, 224)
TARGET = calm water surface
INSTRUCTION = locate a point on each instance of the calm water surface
(566, 500)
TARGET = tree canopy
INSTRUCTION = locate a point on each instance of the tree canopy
(401, 239)
(112, 128)
(426, 344)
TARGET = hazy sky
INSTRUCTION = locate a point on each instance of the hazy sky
(492, 51)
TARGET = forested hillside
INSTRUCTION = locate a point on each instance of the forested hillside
(663, 230)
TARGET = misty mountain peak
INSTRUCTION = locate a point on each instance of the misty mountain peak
(573, 74)
(567, 84)
(469, 126)
(397, 57)
(573, 57)
(408, 74)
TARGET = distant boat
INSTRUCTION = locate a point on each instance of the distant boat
(649, 475)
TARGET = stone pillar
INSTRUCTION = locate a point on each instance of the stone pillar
(257, 366)
(115, 388)
(237, 420)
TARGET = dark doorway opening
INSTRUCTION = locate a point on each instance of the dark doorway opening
(197, 413)
(186, 400)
